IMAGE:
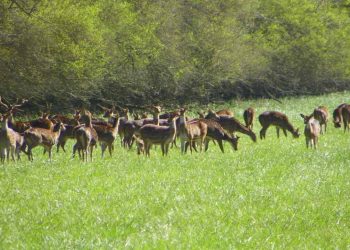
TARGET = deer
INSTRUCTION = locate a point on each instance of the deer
(191, 132)
(248, 116)
(345, 112)
(312, 130)
(70, 127)
(321, 114)
(11, 142)
(218, 134)
(225, 112)
(47, 138)
(279, 120)
(107, 135)
(231, 125)
(124, 118)
(337, 115)
(86, 137)
(152, 134)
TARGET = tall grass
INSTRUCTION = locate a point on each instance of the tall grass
(269, 194)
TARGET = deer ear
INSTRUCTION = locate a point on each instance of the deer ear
(303, 116)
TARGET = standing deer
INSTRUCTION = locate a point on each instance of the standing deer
(321, 114)
(10, 141)
(279, 120)
(47, 138)
(86, 137)
(107, 135)
(312, 130)
(346, 117)
(158, 135)
(231, 125)
(191, 132)
(248, 116)
(337, 115)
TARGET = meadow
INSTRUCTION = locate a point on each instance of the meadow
(271, 194)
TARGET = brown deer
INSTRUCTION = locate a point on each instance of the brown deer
(47, 138)
(68, 132)
(86, 137)
(217, 133)
(11, 142)
(312, 130)
(321, 114)
(194, 131)
(279, 120)
(248, 116)
(124, 118)
(225, 112)
(345, 112)
(231, 125)
(107, 135)
(337, 115)
(158, 135)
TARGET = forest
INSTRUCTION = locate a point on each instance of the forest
(79, 53)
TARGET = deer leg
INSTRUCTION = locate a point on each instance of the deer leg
(110, 149)
(263, 133)
(221, 146)
(183, 142)
(91, 151)
(50, 153)
(285, 132)
(278, 132)
(206, 145)
(13, 150)
(103, 148)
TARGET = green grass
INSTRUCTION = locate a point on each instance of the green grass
(269, 194)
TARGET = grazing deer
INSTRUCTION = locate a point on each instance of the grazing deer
(279, 120)
(217, 133)
(345, 112)
(231, 125)
(158, 135)
(107, 135)
(139, 145)
(248, 116)
(225, 112)
(337, 115)
(10, 141)
(311, 131)
(321, 114)
(86, 137)
(191, 132)
(47, 138)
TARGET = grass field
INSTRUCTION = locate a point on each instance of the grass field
(269, 194)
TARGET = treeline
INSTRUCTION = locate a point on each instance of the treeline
(83, 52)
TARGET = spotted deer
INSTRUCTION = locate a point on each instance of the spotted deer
(47, 138)
(279, 120)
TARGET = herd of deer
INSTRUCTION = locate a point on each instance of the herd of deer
(162, 129)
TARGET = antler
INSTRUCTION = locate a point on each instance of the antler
(20, 104)
(3, 104)
(102, 107)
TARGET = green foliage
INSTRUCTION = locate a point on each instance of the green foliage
(270, 194)
(143, 52)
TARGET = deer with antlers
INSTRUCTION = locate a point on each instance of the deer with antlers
(279, 120)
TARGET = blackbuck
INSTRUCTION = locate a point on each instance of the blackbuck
(346, 117)
(11, 142)
(231, 125)
(225, 112)
(86, 137)
(249, 115)
(107, 134)
(279, 120)
(191, 132)
(152, 134)
(312, 130)
(337, 115)
(321, 114)
(47, 138)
